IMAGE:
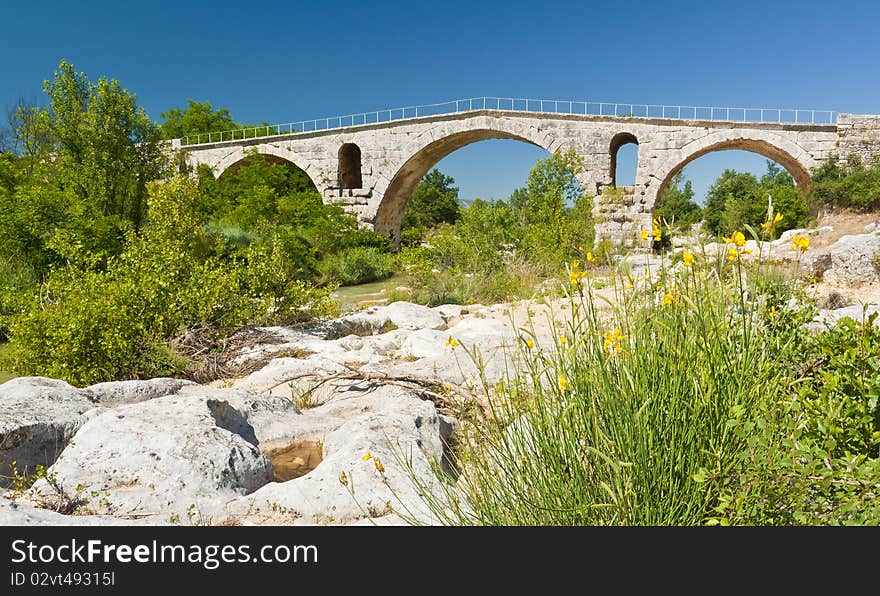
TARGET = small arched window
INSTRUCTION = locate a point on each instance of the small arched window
(625, 175)
(350, 166)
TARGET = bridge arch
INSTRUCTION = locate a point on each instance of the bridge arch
(236, 157)
(430, 149)
(786, 153)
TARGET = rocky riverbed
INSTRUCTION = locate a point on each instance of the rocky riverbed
(332, 427)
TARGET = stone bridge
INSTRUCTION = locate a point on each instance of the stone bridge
(372, 168)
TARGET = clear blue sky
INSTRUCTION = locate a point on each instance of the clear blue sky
(283, 61)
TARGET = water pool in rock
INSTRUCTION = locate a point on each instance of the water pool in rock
(295, 460)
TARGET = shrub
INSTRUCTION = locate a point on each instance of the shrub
(96, 325)
(99, 326)
(357, 265)
(852, 185)
(18, 283)
(737, 199)
(814, 454)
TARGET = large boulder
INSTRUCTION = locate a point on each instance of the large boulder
(176, 458)
(38, 416)
(269, 416)
(827, 318)
(22, 514)
(855, 259)
(118, 393)
(379, 319)
(380, 445)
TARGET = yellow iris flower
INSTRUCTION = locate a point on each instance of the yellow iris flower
(801, 243)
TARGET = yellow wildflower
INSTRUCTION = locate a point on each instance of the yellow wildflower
(529, 343)
(451, 342)
(367, 455)
(575, 274)
(656, 231)
(737, 238)
(590, 258)
(769, 225)
(687, 259)
(746, 251)
(801, 243)
(612, 340)
(563, 383)
(731, 254)
(563, 340)
(670, 299)
(644, 235)
(772, 311)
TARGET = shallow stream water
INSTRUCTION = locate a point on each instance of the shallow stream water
(351, 297)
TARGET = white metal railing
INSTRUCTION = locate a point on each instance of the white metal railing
(543, 106)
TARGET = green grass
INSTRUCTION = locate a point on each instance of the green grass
(665, 408)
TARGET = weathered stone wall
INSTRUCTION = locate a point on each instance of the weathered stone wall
(395, 155)
(859, 135)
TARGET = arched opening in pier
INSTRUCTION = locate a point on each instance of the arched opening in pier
(624, 151)
(349, 167)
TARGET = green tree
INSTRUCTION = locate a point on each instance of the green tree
(104, 147)
(676, 204)
(198, 117)
(434, 201)
(555, 216)
(27, 132)
(733, 187)
(261, 202)
(849, 185)
(737, 199)
(551, 187)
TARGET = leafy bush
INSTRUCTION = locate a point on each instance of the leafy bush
(357, 265)
(18, 284)
(500, 250)
(814, 453)
(99, 326)
(266, 203)
(676, 206)
(116, 323)
(840, 392)
(434, 201)
(852, 185)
